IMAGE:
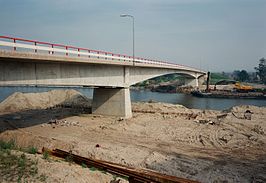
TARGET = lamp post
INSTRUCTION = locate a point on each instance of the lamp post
(126, 15)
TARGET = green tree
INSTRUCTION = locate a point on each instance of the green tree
(235, 74)
(261, 70)
(243, 76)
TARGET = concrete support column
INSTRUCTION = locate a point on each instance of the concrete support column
(112, 101)
(197, 82)
(191, 82)
(201, 81)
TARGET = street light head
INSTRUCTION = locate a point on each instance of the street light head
(126, 15)
(123, 15)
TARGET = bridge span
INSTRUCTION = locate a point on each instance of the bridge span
(29, 62)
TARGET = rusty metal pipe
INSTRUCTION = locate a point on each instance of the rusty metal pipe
(134, 175)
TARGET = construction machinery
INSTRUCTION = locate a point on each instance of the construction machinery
(242, 88)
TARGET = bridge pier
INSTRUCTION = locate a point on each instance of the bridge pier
(194, 82)
(112, 102)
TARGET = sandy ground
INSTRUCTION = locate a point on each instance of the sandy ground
(203, 145)
(57, 170)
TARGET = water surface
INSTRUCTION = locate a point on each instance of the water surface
(145, 95)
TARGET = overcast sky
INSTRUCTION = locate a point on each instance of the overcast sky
(215, 35)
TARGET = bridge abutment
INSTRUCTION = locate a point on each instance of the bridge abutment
(112, 102)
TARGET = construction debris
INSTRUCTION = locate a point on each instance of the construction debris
(247, 115)
(63, 123)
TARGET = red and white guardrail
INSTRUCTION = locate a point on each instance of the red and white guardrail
(54, 49)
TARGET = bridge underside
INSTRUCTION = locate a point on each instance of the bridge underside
(73, 74)
(111, 95)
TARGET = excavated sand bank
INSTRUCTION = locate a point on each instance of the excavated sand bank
(203, 145)
(30, 101)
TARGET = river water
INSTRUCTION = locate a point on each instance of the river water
(144, 95)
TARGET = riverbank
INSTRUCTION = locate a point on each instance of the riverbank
(230, 94)
(203, 145)
(178, 87)
(188, 101)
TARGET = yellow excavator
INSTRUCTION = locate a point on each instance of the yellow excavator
(243, 88)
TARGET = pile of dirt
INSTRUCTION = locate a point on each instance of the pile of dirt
(30, 101)
(157, 107)
(203, 145)
(244, 108)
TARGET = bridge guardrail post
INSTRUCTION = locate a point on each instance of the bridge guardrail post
(15, 46)
(36, 48)
(66, 51)
(53, 49)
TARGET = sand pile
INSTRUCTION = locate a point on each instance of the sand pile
(158, 107)
(28, 101)
(243, 108)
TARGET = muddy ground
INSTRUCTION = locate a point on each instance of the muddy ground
(203, 145)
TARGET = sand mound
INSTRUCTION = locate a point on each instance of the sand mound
(159, 107)
(28, 101)
(243, 108)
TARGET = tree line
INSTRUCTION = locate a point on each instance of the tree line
(258, 76)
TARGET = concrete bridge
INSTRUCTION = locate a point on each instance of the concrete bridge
(28, 62)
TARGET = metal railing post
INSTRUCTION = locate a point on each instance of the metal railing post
(53, 49)
(15, 46)
(36, 48)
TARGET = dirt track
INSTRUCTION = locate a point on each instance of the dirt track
(209, 146)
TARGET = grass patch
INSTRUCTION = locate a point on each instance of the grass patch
(93, 169)
(7, 145)
(14, 164)
(32, 150)
(103, 171)
(46, 155)
(83, 165)
(97, 169)
(14, 167)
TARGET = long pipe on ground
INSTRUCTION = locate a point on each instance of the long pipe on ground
(134, 175)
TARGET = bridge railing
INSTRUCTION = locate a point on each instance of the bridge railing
(19, 44)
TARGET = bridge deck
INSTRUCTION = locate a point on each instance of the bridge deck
(17, 48)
